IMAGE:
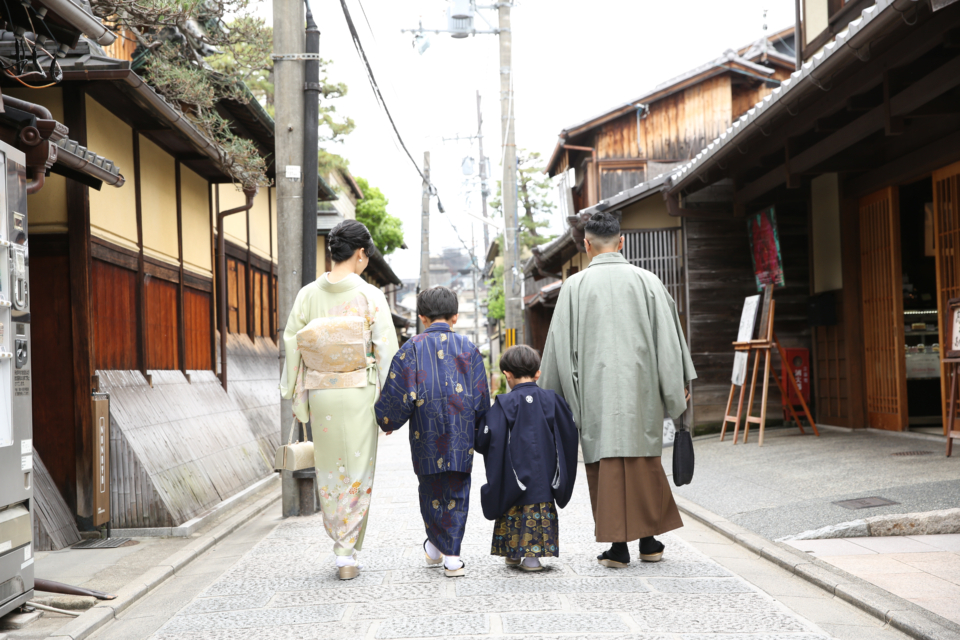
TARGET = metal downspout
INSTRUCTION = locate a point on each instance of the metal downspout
(311, 105)
(82, 20)
(222, 279)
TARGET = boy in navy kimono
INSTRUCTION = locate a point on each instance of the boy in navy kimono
(529, 445)
(437, 381)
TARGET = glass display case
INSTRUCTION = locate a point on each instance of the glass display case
(922, 336)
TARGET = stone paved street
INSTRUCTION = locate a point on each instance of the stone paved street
(813, 473)
(277, 582)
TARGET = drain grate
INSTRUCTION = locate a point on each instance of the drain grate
(912, 453)
(101, 543)
(865, 503)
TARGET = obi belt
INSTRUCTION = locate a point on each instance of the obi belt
(336, 354)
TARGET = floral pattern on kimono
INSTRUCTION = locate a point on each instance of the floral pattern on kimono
(528, 531)
(444, 505)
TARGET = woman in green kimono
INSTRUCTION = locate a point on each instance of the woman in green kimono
(339, 342)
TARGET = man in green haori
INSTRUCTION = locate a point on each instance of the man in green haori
(616, 353)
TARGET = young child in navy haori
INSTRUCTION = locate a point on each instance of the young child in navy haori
(438, 382)
(529, 445)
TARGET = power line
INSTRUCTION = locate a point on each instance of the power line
(380, 100)
(383, 105)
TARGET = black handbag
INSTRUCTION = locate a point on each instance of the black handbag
(682, 456)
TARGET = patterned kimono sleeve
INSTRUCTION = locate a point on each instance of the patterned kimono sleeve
(397, 398)
(481, 391)
(384, 336)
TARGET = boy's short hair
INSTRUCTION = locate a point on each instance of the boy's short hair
(437, 302)
(522, 361)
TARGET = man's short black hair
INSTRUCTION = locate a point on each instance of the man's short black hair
(437, 303)
(603, 225)
(522, 361)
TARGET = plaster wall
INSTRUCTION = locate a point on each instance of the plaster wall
(195, 215)
(113, 212)
(158, 202)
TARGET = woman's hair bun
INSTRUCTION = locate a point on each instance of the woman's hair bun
(348, 236)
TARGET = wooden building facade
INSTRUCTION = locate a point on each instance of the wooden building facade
(620, 161)
(865, 147)
(124, 295)
(625, 146)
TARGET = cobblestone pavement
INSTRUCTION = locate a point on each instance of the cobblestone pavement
(285, 587)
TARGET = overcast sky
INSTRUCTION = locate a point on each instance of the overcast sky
(571, 60)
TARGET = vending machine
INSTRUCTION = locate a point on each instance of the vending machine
(16, 420)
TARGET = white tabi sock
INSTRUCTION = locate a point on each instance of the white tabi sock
(432, 551)
(347, 561)
(452, 562)
(530, 562)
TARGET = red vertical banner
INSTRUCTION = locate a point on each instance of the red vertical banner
(765, 248)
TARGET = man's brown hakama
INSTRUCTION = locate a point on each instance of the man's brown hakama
(631, 499)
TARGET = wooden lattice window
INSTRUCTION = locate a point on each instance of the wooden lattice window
(661, 252)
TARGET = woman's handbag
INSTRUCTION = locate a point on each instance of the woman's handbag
(682, 456)
(294, 456)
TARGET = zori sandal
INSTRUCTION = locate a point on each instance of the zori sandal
(456, 573)
(430, 561)
(349, 572)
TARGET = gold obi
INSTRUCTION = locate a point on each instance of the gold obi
(334, 353)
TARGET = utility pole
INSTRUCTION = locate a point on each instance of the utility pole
(424, 232)
(288, 46)
(483, 176)
(511, 255)
(474, 268)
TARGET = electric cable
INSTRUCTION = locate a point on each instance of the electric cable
(380, 100)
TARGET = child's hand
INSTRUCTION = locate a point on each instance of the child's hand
(389, 433)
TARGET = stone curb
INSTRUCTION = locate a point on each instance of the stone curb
(901, 614)
(105, 611)
(943, 521)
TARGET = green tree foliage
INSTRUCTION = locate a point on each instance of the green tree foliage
(496, 306)
(387, 230)
(333, 127)
(259, 74)
(533, 189)
(175, 38)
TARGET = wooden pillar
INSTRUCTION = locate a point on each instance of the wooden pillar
(852, 311)
(141, 300)
(270, 306)
(214, 209)
(84, 357)
(181, 327)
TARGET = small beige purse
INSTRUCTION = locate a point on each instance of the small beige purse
(294, 456)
